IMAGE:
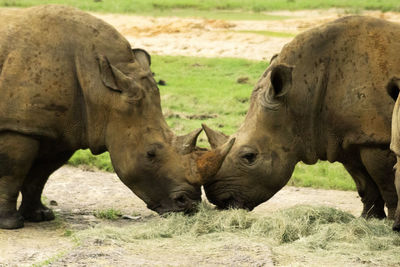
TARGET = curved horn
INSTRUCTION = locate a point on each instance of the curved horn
(187, 143)
(210, 162)
(215, 138)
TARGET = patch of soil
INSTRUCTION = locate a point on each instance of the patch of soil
(219, 38)
(79, 193)
(181, 115)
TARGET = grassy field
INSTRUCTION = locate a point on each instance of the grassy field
(206, 90)
(223, 9)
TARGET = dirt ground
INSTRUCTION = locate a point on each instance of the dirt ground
(219, 38)
(79, 193)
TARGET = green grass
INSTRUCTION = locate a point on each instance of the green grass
(222, 9)
(322, 175)
(110, 214)
(310, 234)
(208, 88)
(84, 157)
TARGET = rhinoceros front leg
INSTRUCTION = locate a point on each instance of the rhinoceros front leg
(32, 208)
(367, 190)
(379, 164)
(17, 153)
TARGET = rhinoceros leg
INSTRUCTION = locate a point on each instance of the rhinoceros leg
(17, 153)
(367, 190)
(32, 208)
(379, 164)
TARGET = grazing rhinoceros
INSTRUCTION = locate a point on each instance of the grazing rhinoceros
(69, 81)
(322, 98)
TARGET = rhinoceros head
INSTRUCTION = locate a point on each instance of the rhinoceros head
(263, 157)
(125, 118)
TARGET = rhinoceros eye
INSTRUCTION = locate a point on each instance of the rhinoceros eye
(153, 150)
(248, 155)
(151, 154)
(249, 158)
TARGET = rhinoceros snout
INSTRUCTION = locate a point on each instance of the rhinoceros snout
(186, 204)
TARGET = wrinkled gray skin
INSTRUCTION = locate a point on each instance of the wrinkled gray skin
(322, 98)
(69, 81)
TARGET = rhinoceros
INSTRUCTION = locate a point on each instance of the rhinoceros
(393, 90)
(323, 97)
(70, 81)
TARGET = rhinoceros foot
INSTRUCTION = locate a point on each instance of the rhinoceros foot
(396, 225)
(39, 214)
(375, 211)
(391, 213)
(12, 221)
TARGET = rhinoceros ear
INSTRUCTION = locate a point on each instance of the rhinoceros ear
(393, 88)
(110, 74)
(273, 58)
(117, 81)
(185, 144)
(281, 79)
(215, 138)
(142, 56)
(280, 82)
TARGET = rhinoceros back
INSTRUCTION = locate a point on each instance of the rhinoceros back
(40, 92)
(342, 70)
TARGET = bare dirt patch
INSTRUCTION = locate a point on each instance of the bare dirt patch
(219, 38)
(79, 194)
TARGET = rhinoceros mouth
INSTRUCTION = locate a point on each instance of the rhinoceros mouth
(162, 211)
(231, 203)
(183, 202)
(226, 196)
(228, 200)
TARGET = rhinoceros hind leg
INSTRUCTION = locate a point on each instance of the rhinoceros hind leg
(32, 208)
(379, 164)
(12, 221)
(37, 214)
(396, 224)
(17, 152)
(367, 190)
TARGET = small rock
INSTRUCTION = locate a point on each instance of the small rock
(242, 80)
(132, 218)
(162, 82)
(53, 203)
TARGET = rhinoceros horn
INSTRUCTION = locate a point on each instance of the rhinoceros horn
(209, 162)
(215, 138)
(185, 144)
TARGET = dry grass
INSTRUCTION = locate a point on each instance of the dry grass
(302, 235)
